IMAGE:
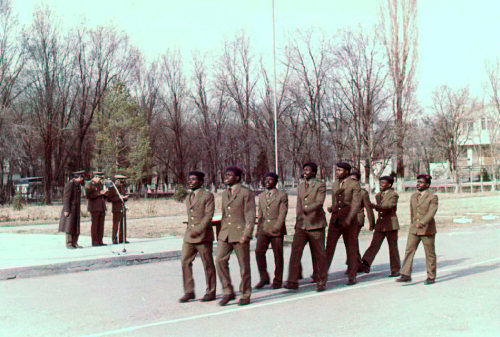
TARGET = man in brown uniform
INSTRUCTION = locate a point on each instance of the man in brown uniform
(199, 237)
(273, 207)
(309, 227)
(423, 206)
(360, 217)
(117, 207)
(70, 214)
(346, 201)
(238, 221)
(97, 207)
(387, 226)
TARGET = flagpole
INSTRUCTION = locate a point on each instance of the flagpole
(276, 156)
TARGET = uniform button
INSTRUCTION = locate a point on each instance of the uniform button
(192, 225)
(228, 223)
(191, 210)
(192, 217)
(305, 205)
(229, 207)
(305, 198)
(268, 220)
(229, 215)
(267, 207)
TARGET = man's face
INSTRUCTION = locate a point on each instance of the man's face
(98, 179)
(231, 178)
(270, 183)
(341, 173)
(308, 172)
(194, 183)
(384, 185)
(422, 185)
(79, 179)
(119, 182)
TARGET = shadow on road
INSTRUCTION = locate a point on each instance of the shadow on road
(467, 272)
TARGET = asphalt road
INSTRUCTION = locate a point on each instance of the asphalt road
(143, 300)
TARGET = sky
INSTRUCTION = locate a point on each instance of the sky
(456, 37)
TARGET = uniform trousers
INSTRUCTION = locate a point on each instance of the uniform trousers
(117, 225)
(316, 239)
(242, 250)
(97, 227)
(189, 251)
(71, 239)
(430, 254)
(392, 241)
(276, 242)
(350, 236)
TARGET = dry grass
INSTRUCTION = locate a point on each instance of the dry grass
(159, 218)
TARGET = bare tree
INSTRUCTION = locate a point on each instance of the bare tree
(453, 112)
(50, 97)
(360, 89)
(307, 54)
(399, 33)
(174, 94)
(211, 103)
(239, 76)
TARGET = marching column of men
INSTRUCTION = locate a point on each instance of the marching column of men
(348, 203)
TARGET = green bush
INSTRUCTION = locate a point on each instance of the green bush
(17, 204)
(181, 194)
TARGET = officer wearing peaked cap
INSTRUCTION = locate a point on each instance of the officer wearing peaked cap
(118, 234)
(97, 207)
(70, 214)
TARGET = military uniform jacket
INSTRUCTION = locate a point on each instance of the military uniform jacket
(114, 198)
(365, 205)
(71, 203)
(272, 213)
(311, 200)
(200, 211)
(423, 210)
(346, 201)
(238, 214)
(96, 202)
(387, 206)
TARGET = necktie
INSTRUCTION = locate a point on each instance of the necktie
(268, 196)
(229, 192)
(307, 185)
(191, 197)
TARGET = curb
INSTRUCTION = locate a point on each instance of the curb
(86, 265)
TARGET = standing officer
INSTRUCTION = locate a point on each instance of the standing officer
(387, 226)
(346, 201)
(360, 217)
(117, 206)
(97, 207)
(273, 207)
(309, 227)
(423, 206)
(238, 221)
(70, 215)
(199, 237)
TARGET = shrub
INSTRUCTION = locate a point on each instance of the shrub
(181, 194)
(17, 204)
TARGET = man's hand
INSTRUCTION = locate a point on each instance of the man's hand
(275, 231)
(348, 221)
(193, 234)
(244, 239)
(372, 228)
(420, 225)
(329, 209)
(300, 211)
(103, 192)
(66, 214)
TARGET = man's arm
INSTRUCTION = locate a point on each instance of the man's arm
(67, 196)
(206, 221)
(355, 203)
(369, 210)
(433, 207)
(249, 206)
(319, 201)
(283, 210)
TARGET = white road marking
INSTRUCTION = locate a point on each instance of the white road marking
(265, 304)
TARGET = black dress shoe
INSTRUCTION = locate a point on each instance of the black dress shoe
(208, 298)
(276, 286)
(351, 282)
(365, 267)
(71, 247)
(186, 298)
(226, 298)
(291, 286)
(429, 281)
(261, 284)
(77, 245)
(404, 278)
(125, 241)
(102, 244)
(244, 301)
(321, 287)
(115, 242)
(95, 245)
(396, 274)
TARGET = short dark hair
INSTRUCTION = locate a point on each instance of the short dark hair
(198, 174)
(426, 177)
(272, 175)
(311, 165)
(356, 174)
(389, 179)
(236, 170)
